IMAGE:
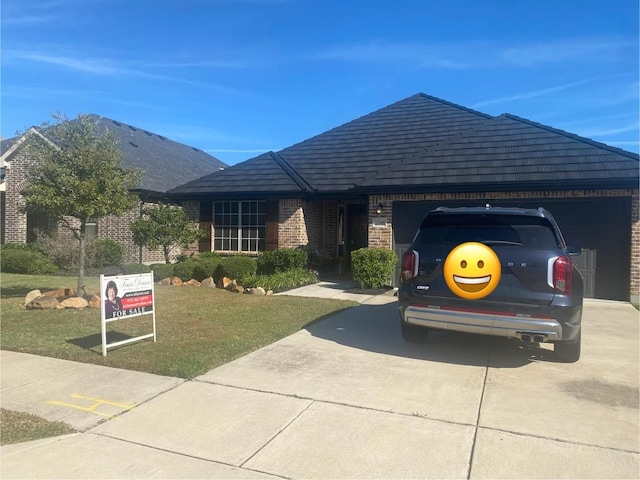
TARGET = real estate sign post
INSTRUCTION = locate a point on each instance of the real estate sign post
(126, 296)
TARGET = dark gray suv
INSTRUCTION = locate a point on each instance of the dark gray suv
(494, 271)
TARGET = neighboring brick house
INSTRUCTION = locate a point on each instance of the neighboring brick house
(370, 181)
(165, 163)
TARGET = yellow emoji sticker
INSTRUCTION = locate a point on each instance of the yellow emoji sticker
(472, 270)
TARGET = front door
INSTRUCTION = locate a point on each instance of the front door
(358, 222)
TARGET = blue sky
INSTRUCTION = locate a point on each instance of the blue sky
(240, 77)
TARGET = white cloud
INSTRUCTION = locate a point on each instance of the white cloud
(532, 94)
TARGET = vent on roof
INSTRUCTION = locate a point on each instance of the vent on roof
(133, 144)
(195, 149)
(117, 123)
(161, 137)
(148, 133)
(133, 128)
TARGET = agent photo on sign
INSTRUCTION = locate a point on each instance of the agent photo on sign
(113, 304)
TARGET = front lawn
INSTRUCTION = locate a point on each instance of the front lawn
(197, 328)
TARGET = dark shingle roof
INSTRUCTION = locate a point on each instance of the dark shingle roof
(341, 158)
(166, 163)
(508, 151)
(423, 143)
(266, 173)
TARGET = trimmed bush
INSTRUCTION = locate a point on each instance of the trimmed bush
(184, 269)
(133, 268)
(107, 253)
(206, 267)
(282, 280)
(373, 267)
(161, 271)
(282, 260)
(26, 261)
(237, 268)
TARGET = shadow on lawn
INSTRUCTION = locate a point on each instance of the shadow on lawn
(93, 341)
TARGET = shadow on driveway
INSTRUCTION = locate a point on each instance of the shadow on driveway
(375, 328)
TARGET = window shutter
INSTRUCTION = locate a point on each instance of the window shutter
(272, 220)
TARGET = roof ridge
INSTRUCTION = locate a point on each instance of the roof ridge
(292, 172)
(455, 105)
(573, 136)
(416, 95)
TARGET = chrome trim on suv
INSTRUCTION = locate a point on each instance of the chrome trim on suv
(497, 324)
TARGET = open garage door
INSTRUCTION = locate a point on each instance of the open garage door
(601, 226)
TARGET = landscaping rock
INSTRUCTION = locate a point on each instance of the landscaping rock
(43, 303)
(237, 289)
(164, 281)
(225, 283)
(269, 292)
(208, 282)
(93, 301)
(31, 296)
(74, 302)
(61, 292)
(176, 281)
(193, 282)
(256, 291)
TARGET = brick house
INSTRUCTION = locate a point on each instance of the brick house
(166, 164)
(370, 181)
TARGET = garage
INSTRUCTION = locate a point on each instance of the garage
(600, 225)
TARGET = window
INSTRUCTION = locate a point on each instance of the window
(90, 229)
(239, 226)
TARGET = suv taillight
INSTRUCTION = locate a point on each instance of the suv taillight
(409, 264)
(563, 275)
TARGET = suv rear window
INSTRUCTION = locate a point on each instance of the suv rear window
(515, 230)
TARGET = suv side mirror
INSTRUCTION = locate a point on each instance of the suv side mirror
(574, 250)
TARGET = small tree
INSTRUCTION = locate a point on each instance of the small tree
(77, 173)
(165, 226)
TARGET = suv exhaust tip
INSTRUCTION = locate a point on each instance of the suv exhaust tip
(530, 337)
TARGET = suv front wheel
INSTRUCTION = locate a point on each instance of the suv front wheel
(569, 352)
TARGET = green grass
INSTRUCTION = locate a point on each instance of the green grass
(20, 427)
(197, 328)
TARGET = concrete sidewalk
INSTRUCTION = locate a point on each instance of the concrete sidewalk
(347, 398)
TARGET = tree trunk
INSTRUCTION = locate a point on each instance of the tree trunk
(165, 249)
(80, 290)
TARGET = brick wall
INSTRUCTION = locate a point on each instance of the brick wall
(15, 226)
(292, 229)
(635, 246)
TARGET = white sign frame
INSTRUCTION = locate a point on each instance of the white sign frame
(135, 290)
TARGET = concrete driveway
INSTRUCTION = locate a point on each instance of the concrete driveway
(348, 398)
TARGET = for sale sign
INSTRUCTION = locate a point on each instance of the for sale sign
(126, 296)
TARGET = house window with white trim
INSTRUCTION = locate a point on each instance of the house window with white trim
(239, 226)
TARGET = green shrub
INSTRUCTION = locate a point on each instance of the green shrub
(206, 267)
(107, 253)
(373, 267)
(133, 268)
(26, 261)
(282, 260)
(161, 271)
(184, 269)
(237, 268)
(29, 247)
(282, 280)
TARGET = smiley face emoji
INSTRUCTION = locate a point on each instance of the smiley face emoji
(472, 270)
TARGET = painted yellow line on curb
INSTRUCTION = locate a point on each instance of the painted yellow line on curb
(92, 408)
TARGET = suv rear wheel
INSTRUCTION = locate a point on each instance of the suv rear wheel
(412, 333)
(569, 352)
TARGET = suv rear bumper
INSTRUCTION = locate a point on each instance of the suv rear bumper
(540, 328)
